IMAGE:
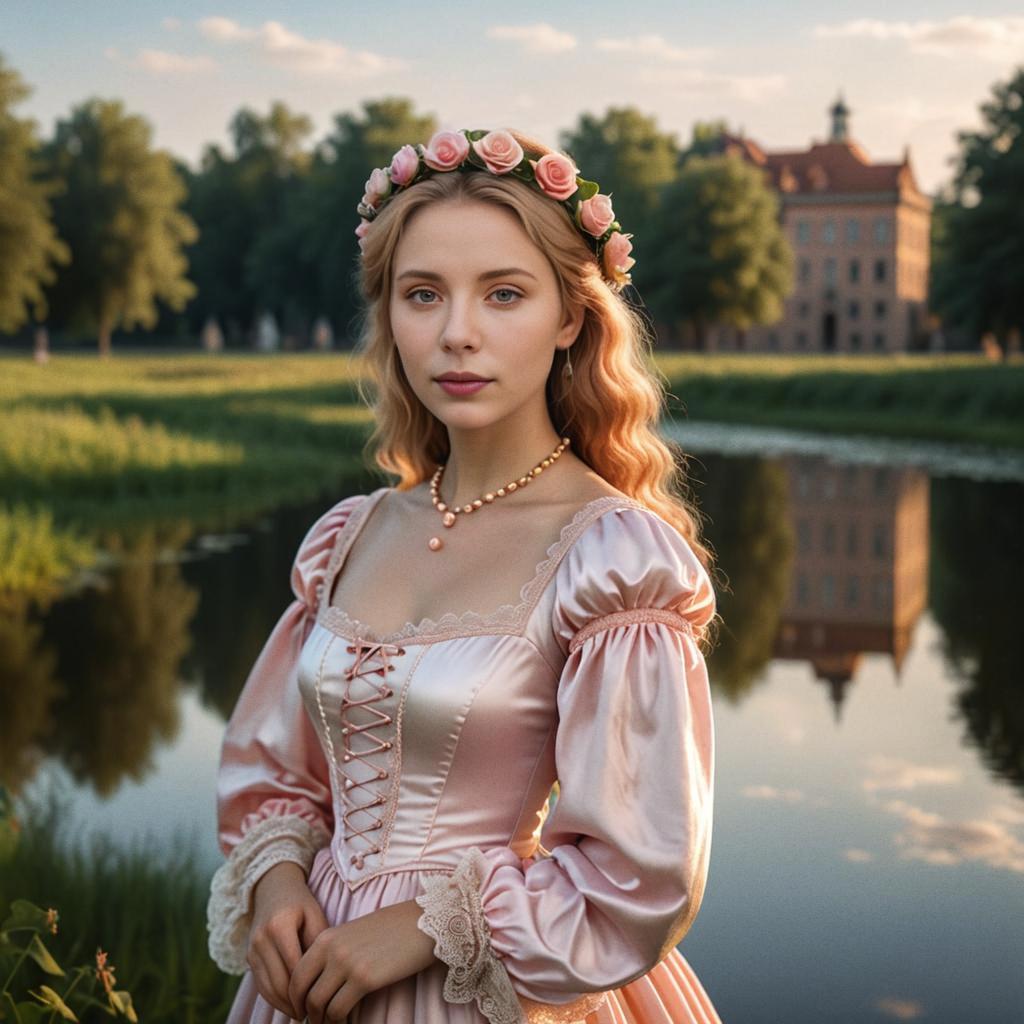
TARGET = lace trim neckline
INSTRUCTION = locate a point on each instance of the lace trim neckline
(507, 618)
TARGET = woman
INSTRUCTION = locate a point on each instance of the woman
(529, 603)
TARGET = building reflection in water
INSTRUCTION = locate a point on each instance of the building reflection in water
(859, 578)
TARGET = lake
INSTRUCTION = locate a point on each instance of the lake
(868, 853)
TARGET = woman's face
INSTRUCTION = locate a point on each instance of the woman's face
(471, 293)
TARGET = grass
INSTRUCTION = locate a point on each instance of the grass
(93, 449)
(145, 905)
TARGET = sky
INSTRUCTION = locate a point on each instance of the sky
(912, 73)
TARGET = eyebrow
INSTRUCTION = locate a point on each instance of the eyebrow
(431, 276)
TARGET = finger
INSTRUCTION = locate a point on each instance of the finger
(279, 978)
(343, 1003)
(304, 974)
(313, 923)
(290, 950)
(320, 996)
(266, 990)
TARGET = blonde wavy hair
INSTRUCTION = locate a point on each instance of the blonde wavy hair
(616, 398)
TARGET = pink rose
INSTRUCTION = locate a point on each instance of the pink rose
(595, 214)
(556, 175)
(446, 150)
(364, 227)
(617, 260)
(404, 165)
(378, 185)
(499, 151)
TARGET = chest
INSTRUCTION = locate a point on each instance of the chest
(385, 576)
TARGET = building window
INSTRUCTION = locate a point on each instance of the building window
(828, 231)
(853, 230)
(773, 340)
(803, 231)
(852, 594)
(830, 272)
(879, 309)
(803, 308)
(879, 270)
(828, 590)
(803, 536)
(855, 341)
(881, 229)
(801, 339)
(854, 271)
(878, 541)
(828, 539)
(851, 540)
(805, 269)
(853, 308)
(879, 341)
(803, 592)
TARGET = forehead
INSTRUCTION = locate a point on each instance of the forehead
(464, 233)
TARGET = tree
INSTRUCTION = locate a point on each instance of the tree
(244, 203)
(119, 213)
(721, 254)
(29, 245)
(978, 273)
(626, 154)
(326, 243)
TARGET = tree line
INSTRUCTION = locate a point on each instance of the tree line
(100, 231)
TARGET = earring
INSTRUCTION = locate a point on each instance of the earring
(567, 369)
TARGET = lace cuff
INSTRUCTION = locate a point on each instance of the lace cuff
(229, 910)
(454, 919)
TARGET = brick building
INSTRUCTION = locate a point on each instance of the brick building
(860, 237)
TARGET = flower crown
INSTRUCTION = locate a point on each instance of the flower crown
(554, 175)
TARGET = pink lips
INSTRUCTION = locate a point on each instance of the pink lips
(463, 387)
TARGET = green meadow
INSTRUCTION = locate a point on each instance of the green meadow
(94, 452)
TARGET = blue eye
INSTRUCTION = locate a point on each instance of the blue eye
(429, 291)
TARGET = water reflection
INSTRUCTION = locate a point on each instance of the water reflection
(825, 563)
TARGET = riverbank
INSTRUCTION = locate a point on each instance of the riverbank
(98, 456)
(961, 398)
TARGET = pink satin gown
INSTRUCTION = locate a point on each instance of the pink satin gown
(421, 764)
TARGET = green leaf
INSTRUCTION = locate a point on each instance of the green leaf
(28, 1013)
(8, 946)
(41, 955)
(122, 1002)
(51, 999)
(9, 1009)
(587, 190)
(25, 915)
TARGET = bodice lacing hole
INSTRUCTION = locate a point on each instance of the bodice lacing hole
(365, 650)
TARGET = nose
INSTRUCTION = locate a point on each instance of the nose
(460, 326)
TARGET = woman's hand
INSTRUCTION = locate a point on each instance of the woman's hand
(286, 920)
(349, 961)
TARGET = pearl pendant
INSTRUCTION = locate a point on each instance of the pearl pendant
(435, 544)
(448, 519)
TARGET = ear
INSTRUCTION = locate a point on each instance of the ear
(571, 326)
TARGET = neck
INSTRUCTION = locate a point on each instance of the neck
(478, 465)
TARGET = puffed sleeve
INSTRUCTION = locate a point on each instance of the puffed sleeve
(625, 849)
(273, 787)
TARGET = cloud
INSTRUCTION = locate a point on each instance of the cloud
(896, 773)
(171, 24)
(998, 38)
(159, 62)
(790, 796)
(538, 38)
(280, 47)
(750, 88)
(900, 1009)
(937, 840)
(857, 856)
(654, 46)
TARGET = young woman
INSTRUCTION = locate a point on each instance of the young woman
(529, 603)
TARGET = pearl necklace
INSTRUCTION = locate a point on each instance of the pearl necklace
(448, 516)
